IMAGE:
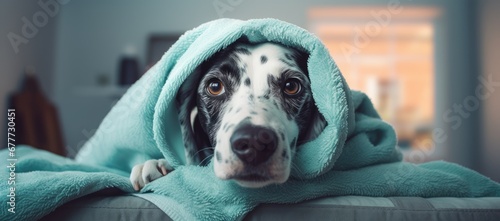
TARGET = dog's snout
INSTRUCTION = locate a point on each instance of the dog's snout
(253, 144)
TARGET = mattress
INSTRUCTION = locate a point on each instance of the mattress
(129, 207)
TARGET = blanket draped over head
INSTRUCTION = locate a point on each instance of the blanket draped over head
(356, 153)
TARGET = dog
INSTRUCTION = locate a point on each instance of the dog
(249, 107)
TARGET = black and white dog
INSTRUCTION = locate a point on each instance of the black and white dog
(250, 106)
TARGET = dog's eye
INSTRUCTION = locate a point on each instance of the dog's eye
(292, 86)
(215, 87)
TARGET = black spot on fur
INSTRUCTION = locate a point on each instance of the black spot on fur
(282, 136)
(246, 119)
(264, 109)
(242, 51)
(275, 104)
(226, 161)
(218, 157)
(229, 127)
(267, 93)
(284, 154)
(253, 112)
(247, 82)
(263, 59)
(251, 96)
(287, 62)
(238, 110)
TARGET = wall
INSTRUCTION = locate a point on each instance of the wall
(38, 52)
(488, 11)
(456, 81)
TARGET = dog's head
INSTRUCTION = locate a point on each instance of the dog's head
(250, 106)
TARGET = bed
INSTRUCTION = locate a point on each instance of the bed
(130, 207)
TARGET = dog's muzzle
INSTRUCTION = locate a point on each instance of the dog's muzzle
(253, 144)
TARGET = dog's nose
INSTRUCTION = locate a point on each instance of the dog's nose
(253, 144)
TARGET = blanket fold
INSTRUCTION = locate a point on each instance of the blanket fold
(356, 154)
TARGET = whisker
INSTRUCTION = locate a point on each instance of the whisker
(203, 149)
(208, 157)
(294, 166)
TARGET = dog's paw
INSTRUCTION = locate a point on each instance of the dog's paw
(150, 170)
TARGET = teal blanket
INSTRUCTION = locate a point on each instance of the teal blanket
(355, 154)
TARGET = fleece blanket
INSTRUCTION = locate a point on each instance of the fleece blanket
(356, 154)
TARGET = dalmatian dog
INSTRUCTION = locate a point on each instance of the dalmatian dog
(248, 109)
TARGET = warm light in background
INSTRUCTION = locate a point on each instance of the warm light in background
(389, 56)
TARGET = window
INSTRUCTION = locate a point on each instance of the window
(390, 57)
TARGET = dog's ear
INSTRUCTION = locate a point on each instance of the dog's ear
(301, 58)
(194, 137)
(201, 139)
(314, 122)
(314, 126)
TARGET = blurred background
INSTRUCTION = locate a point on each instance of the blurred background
(430, 67)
